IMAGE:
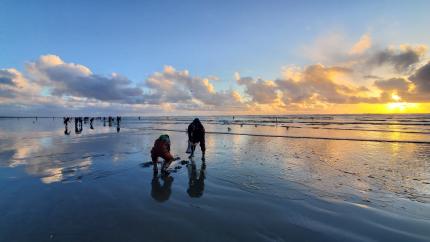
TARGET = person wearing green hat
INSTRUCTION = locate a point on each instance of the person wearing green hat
(161, 149)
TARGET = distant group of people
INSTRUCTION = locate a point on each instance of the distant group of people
(79, 120)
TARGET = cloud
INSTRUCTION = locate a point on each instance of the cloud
(315, 84)
(421, 79)
(6, 77)
(416, 88)
(328, 49)
(393, 84)
(14, 87)
(171, 86)
(402, 59)
(69, 79)
(260, 91)
(362, 45)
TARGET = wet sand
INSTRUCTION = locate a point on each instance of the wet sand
(96, 186)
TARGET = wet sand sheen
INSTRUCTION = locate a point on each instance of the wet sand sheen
(93, 186)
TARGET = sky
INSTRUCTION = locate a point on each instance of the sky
(213, 57)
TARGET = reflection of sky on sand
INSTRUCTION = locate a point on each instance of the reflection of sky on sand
(35, 155)
(362, 171)
(47, 153)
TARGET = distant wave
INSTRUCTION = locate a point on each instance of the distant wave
(300, 137)
(290, 126)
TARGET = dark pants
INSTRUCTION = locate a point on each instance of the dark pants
(202, 145)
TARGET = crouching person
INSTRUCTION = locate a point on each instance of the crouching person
(161, 149)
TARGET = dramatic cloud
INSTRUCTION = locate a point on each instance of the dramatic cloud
(171, 86)
(316, 84)
(260, 91)
(69, 79)
(393, 84)
(54, 84)
(421, 79)
(402, 59)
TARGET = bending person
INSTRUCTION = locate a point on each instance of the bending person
(196, 134)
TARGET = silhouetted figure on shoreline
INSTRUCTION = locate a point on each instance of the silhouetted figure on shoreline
(196, 184)
(66, 120)
(110, 120)
(118, 121)
(78, 125)
(104, 121)
(91, 123)
(196, 134)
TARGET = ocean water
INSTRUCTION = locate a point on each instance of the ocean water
(265, 178)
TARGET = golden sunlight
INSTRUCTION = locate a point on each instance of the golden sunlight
(395, 97)
(401, 106)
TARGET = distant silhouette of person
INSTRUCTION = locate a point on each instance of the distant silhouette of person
(162, 149)
(196, 134)
(118, 121)
(66, 120)
(104, 121)
(78, 125)
(161, 193)
(110, 120)
(196, 184)
(91, 123)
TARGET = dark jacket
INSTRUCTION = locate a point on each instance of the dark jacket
(196, 132)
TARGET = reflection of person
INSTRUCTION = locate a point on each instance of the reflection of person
(66, 126)
(196, 134)
(196, 185)
(91, 123)
(161, 149)
(161, 193)
(67, 131)
(78, 125)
